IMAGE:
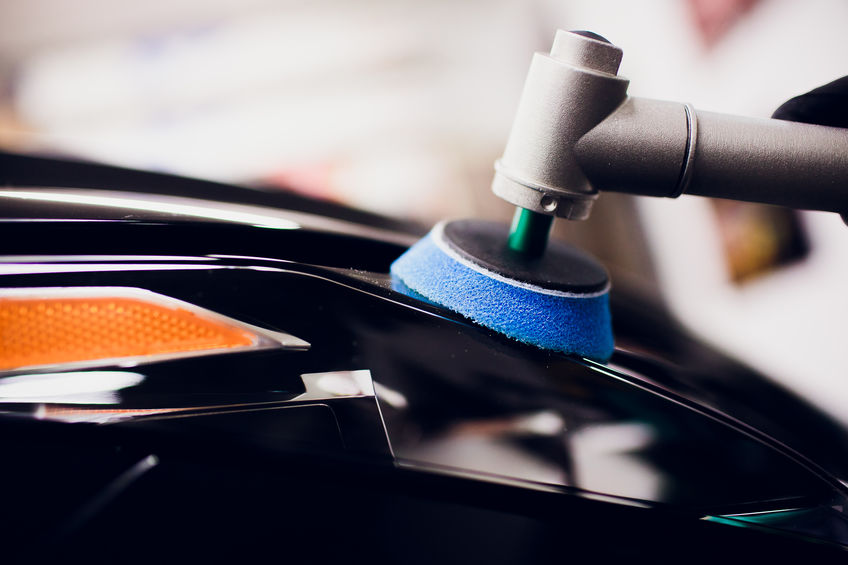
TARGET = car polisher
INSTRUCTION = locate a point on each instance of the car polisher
(577, 132)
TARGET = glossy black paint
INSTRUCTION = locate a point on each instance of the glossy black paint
(208, 500)
(246, 467)
(40, 171)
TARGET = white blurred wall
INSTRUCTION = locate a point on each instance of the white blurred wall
(385, 105)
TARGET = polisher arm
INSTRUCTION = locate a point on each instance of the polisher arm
(577, 132)
(664, 149)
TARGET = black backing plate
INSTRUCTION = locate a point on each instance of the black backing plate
(561, 267)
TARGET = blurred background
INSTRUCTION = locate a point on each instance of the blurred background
(401, 108)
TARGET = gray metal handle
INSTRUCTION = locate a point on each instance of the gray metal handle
(577, 132)
(666, 149)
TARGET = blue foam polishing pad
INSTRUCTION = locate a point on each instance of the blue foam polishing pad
(558, 302)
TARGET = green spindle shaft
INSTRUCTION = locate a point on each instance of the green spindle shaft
(529, 232)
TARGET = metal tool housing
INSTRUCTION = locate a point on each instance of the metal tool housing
(577, 132)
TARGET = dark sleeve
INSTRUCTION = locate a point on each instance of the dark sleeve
(826, 106)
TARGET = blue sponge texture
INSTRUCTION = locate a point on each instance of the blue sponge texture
(567, 322)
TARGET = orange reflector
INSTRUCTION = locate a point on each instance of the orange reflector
(50, 328)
